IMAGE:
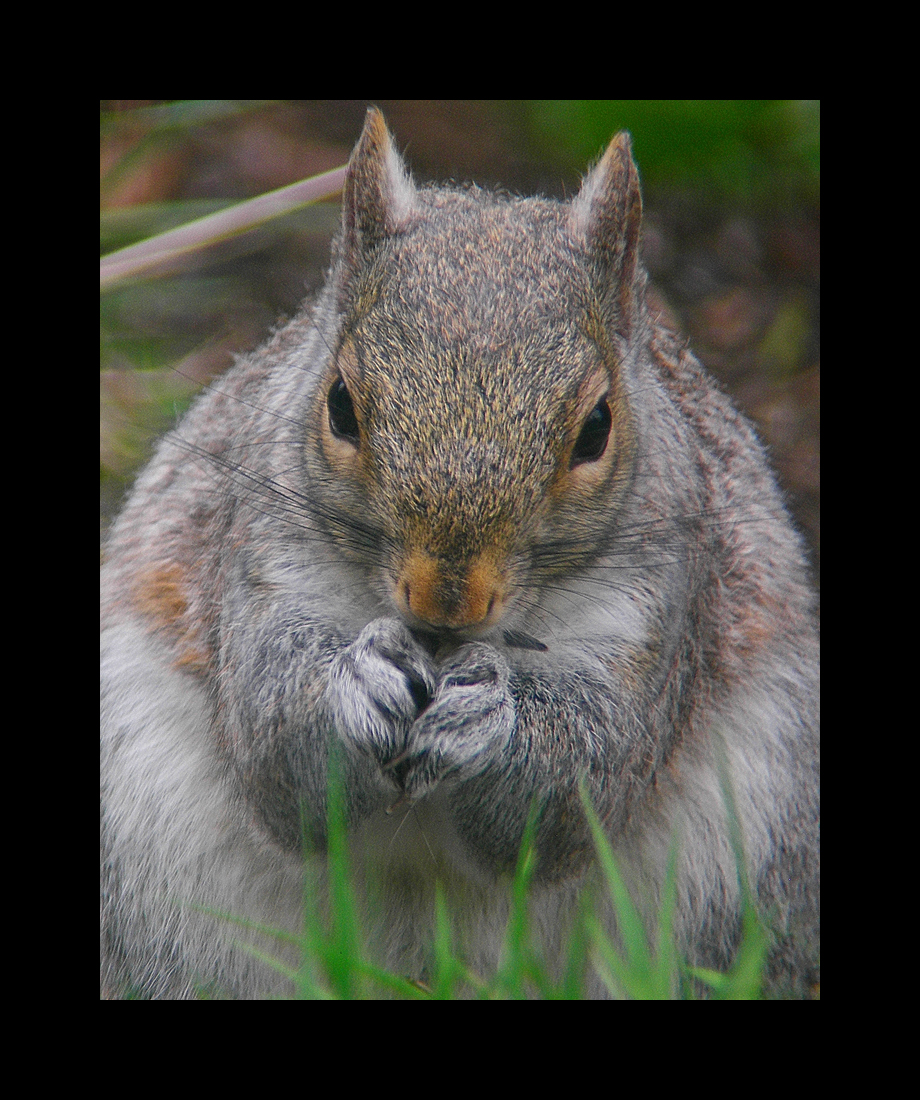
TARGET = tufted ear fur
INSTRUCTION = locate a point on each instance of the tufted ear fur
(605, 219)
(379, 194)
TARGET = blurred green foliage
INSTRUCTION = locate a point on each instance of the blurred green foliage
(747, 150)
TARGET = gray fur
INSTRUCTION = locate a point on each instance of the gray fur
(473, 610)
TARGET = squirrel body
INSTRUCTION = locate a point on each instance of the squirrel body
(477, 521)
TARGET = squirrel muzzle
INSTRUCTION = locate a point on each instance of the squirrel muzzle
(444, 594)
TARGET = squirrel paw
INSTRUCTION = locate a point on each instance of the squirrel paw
(467, 724)
(377, 688)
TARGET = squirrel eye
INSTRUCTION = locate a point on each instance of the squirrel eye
(592, 439)
(342, 419)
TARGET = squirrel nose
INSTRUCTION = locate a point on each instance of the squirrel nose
(440, 594)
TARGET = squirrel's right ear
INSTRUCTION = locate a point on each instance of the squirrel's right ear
(379, 195)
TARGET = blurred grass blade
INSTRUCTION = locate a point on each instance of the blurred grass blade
(144, 256)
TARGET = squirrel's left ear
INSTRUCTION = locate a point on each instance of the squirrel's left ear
(604, 219)
(379, 194)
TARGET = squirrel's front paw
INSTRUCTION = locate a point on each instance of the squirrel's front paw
(377, 688)
(467, 724)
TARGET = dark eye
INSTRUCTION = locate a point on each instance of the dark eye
(592, 439)
(342, 419)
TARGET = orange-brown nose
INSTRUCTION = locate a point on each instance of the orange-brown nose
(444, 595)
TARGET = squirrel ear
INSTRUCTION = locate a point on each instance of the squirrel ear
(604, 220)
(379, 195)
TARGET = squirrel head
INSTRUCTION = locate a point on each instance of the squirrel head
(472, 432)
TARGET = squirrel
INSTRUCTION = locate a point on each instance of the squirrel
(475, 522)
